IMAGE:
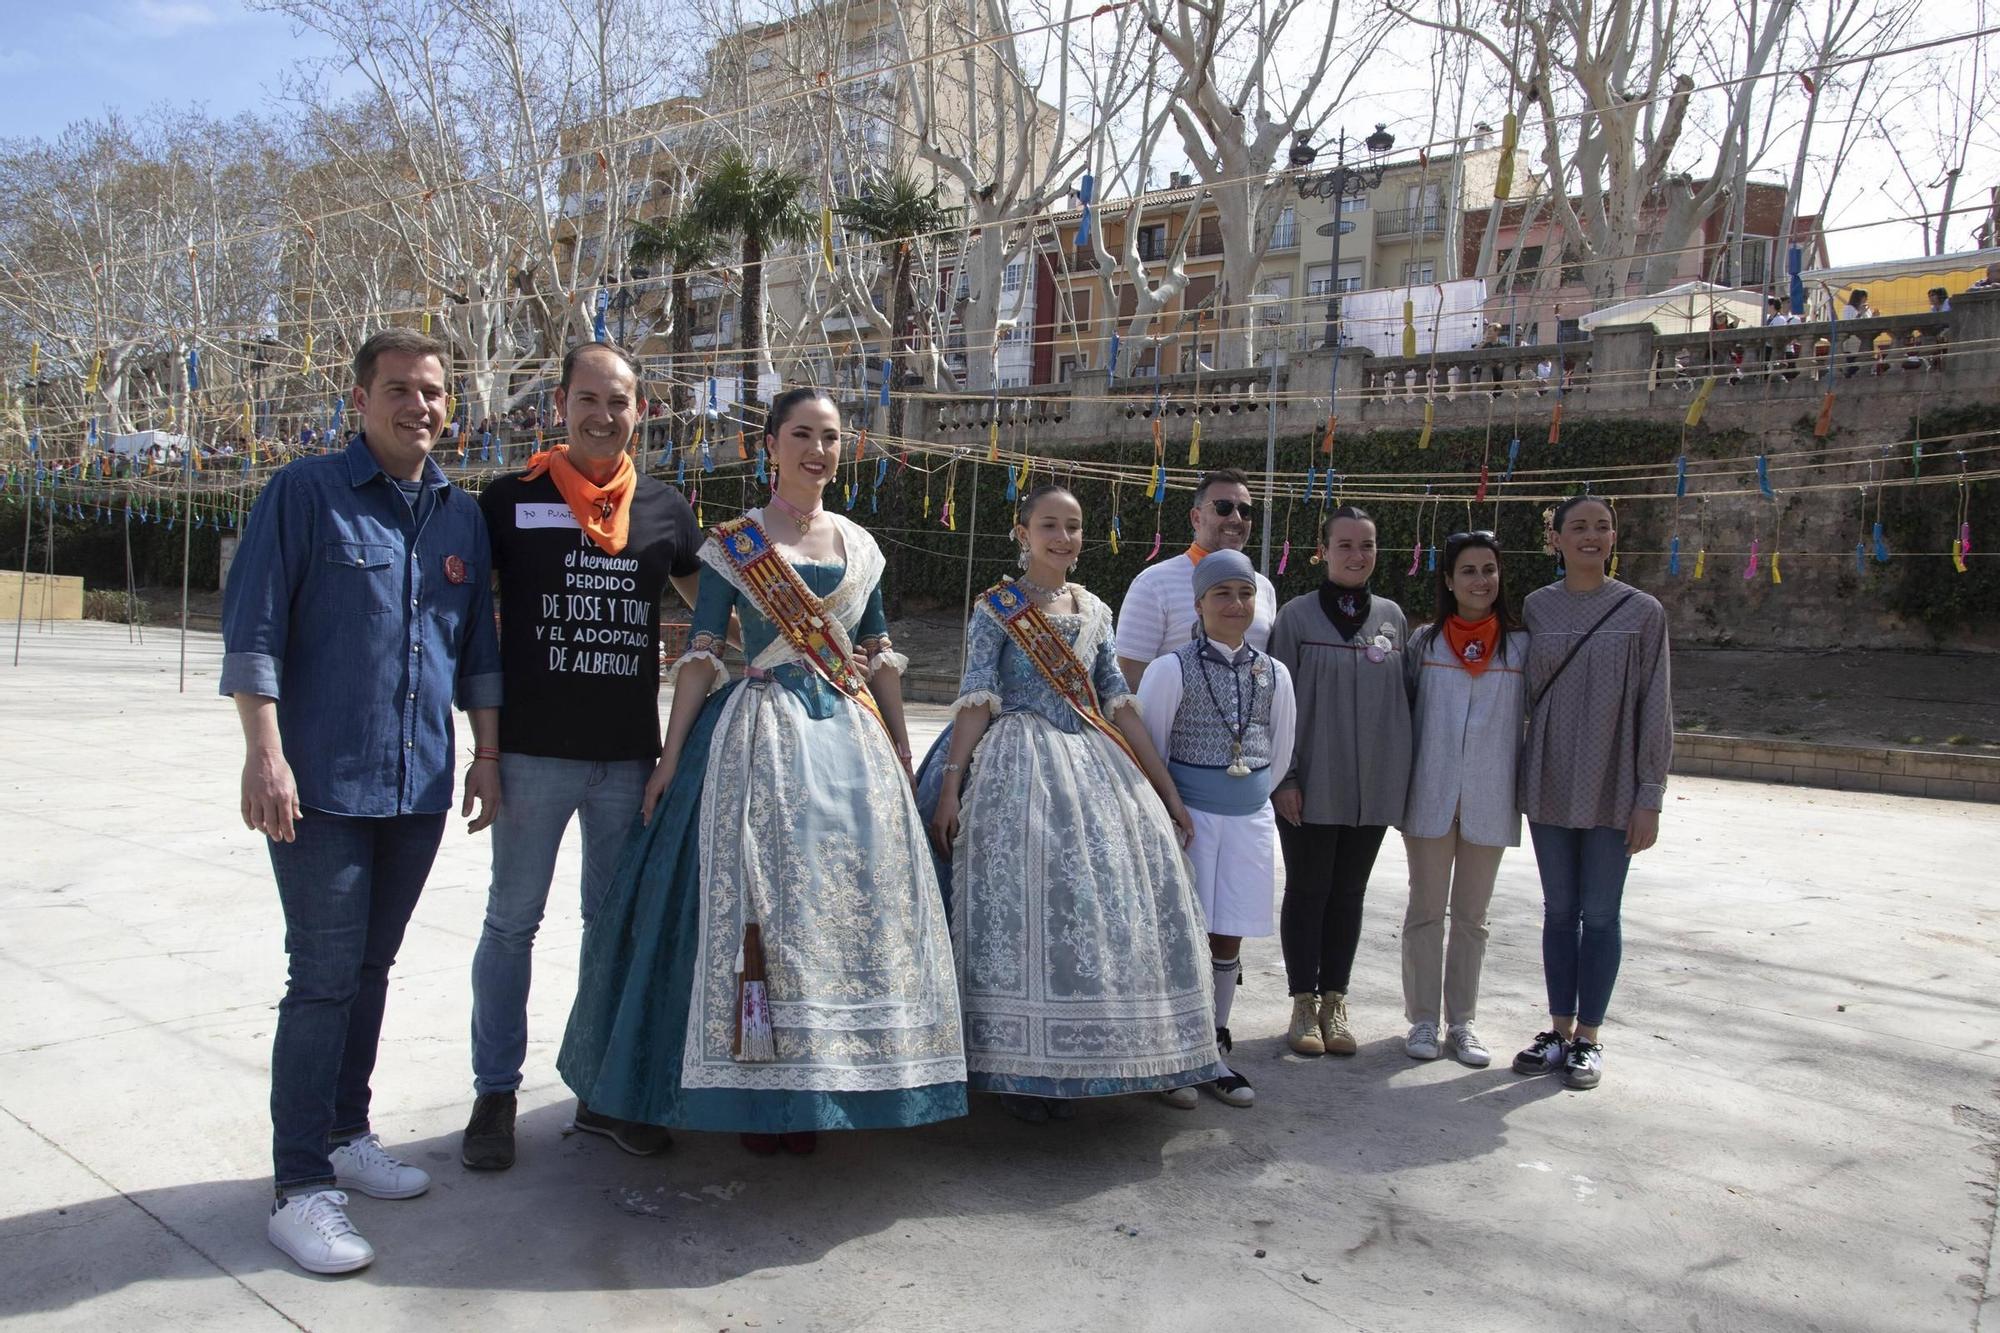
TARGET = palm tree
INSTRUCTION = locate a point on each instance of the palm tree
(683, 245)
(763, 206)
(896, 209)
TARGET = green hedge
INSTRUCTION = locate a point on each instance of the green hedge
(95, 549)
(1929, 590)
(928, 564)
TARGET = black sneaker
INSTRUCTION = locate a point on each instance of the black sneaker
(1544, 1055)
(640, 1140)
(488, 1144)
(1585, 1067)
(1232, 1087)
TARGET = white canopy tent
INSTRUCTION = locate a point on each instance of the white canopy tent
(1688, 308)
(141, 444)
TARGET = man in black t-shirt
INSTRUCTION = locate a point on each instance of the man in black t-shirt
(583, 548)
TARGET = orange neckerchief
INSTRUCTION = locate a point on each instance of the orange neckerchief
(1473, 644)
(605, 512)
(1196, 552)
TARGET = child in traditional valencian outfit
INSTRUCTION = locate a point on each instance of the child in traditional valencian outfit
(1081, 963)
(1223, 715)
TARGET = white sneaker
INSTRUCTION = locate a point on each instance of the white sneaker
(313, 1229)
(1181, 1099)
(362, 1165)
(1422, 1043)
(1466, 1045)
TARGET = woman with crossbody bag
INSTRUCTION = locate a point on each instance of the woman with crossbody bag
(1593, 774)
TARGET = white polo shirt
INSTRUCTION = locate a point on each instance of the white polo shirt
(1158, 616)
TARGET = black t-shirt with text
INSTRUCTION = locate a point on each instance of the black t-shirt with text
(579, 629)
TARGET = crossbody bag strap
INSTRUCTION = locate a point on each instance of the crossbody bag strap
(1577, 647)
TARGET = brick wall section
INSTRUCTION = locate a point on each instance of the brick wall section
(1951, 777)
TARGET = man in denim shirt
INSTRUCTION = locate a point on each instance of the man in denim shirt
(358, 609)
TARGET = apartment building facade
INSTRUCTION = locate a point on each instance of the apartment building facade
(1538, 295)
(1406, 231)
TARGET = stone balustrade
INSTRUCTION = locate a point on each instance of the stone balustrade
(1771, 375)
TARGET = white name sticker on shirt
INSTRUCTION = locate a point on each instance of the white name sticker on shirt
(544, 516)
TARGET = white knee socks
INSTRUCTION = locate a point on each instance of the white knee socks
(1228, 975)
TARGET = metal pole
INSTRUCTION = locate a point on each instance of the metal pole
(27, 540)
(1333, 301)
(132, 629)
(187, 545)
(1270, 466)
(971, 529)
(49, 571)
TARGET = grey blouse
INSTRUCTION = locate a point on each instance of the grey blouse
(1352, 758)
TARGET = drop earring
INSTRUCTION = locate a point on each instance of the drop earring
(1022, 558)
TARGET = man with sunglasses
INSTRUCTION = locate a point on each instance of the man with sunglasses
(1158, 613)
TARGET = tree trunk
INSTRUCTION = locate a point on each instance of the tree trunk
(900, 302)
(984, 260)
(750, 313)
(680, 348)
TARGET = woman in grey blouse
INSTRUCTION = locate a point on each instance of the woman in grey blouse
(1350, 772)
(1466, 682)
(1593, 775)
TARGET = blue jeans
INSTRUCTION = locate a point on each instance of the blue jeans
(539, 796)
(1583, 882)
(348, 886)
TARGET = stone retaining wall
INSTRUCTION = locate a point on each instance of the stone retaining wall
(1951, 777)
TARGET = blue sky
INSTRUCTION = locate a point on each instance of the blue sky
(65, 60)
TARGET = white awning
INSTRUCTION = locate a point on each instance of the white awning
(1688, 308)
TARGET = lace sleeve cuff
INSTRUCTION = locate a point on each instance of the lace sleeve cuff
(891, 659)
(1130, 701)
(700, 653)
(986, 699)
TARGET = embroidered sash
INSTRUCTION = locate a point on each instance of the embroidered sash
(1032, 634)
(785, 600)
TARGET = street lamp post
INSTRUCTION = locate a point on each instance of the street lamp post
(1339, 182)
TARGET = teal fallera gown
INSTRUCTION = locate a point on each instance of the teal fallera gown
(788, 807)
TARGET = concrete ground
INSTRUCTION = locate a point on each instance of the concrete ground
(1798, 1127)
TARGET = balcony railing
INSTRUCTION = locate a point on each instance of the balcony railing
(1409, 221)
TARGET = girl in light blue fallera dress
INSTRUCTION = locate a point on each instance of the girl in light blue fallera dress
(1082, 954)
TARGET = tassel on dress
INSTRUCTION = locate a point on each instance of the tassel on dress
(754, 1043)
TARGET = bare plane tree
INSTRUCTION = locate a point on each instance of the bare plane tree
(1608, 86)
(1234, 105)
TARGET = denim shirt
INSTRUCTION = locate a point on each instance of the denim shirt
(364, 621)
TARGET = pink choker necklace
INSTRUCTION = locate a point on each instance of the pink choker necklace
(803, 517)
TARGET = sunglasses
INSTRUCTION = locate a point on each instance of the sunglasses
(1226, 508)
(1477, 534)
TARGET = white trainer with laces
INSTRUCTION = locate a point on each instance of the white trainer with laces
(1181, 1099)
(314, 1231)
(363, 1165)
(1466, 1045)
(1422, 1043)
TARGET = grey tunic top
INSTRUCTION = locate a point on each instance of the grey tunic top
(1468, 741)
(1601, 741)
(1351, 761)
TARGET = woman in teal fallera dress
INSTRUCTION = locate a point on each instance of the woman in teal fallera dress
(782, 802)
